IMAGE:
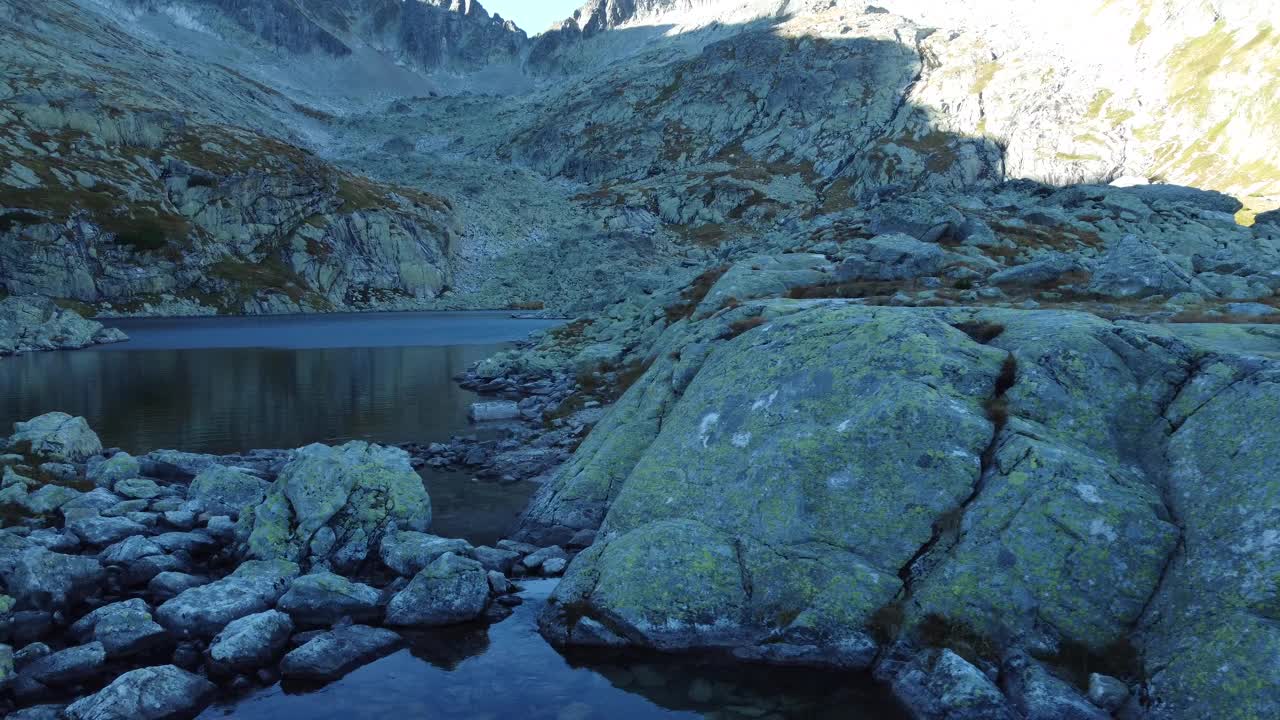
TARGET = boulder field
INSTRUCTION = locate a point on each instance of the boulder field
(142, 587)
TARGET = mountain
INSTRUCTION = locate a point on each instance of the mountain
(643, 134)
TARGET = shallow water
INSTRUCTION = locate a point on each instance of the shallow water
(225, 385)
(507, 671)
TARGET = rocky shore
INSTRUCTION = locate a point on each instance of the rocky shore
(145, 587)
(30, 323)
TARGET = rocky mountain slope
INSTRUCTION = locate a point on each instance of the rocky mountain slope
(636, 134)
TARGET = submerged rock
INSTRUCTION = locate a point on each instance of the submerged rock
(333, 654)
(495, 410)
(154, 693)
(330, 506)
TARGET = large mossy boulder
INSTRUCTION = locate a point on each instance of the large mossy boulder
(838, 478)
(331, 506)
(56, 436)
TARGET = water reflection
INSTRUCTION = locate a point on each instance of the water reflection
(482, 512)
(232, 384)
(507, 670)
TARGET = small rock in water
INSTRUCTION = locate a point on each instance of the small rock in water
(333, 654)
(537, 559)
(498, 583)
(554, 567)
(495, 410)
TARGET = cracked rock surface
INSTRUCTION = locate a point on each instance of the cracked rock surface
(838, 480)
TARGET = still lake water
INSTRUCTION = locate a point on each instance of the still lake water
(225, 385)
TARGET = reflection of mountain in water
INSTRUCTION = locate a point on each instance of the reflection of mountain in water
(226, 400)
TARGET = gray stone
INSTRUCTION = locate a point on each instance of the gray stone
(535, 560)
(60, 472)
(893, 257)
(1107, 692)
(175, 464)
(98, 530)
(170, 584)
(498, 582)
(155, 693)
(195, 542)
(129, 550)
(1036, 272)
(354, 492)
(1134, 268)
(1039, 695)
(250, 642)
(448, 591)
(72, 665)
(940, 685)
(1250, 309)
(323, 598)
(1195, 197)
(97, 500)
(221, 490)
(47, 580)
(407, 552)
(493, 410)
(48, 499)
(55, 540)
(137, 488)
(203, 611)
(30, 654)
(142, 570)
(333, 654)
(494, 559)
(553, 567)
(124, 628)
(56, 436)
(121, 466)
(181, 519)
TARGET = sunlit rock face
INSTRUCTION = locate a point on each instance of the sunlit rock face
(664, 127)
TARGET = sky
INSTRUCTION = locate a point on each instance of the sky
(533, 16)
